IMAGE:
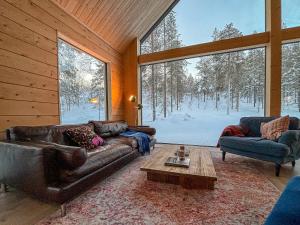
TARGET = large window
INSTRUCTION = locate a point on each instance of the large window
(82, 80)
(193, 22)
(190, 101)
(290, 13)
(290, 83)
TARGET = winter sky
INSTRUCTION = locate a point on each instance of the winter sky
(197, 19)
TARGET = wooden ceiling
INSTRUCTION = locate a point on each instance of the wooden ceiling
(118, 22)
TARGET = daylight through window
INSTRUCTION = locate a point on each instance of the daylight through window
(194, 22)
(82, 80)
(191, 101)
(290, 80)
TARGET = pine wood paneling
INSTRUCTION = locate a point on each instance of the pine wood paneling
(117, 22)
(16, 92)
(28, 61)
(20, 62)
(27, 50)
(131, 85)
(9, 121)
(15, 76)
(22, 33)
(19, 16)
(24, 108)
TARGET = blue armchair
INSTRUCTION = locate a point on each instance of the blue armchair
(286, 149)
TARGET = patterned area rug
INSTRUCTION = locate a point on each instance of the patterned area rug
(242, 196)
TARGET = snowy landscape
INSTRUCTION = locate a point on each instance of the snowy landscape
(82, 86)
(191, 101)
(188, 101)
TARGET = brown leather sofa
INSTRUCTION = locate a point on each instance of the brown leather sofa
(44, 162)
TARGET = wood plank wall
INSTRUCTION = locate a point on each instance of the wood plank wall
(28, 62)
(131, 80)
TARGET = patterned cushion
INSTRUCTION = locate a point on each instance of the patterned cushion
(85, 137)
(273, 129)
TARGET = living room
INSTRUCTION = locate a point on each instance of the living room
(149, 112)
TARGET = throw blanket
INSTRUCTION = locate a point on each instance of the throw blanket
(233, 130)
(142, 139)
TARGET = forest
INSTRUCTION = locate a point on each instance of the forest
(82, 85)
(226, 80)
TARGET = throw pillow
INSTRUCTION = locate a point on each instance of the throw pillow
(273, 129)
(85, 137)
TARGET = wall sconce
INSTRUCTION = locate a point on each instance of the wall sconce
(138, 106)
(132, 98)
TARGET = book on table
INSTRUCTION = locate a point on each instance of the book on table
(175, 161)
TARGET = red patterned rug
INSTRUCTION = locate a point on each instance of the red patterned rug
(242, 196)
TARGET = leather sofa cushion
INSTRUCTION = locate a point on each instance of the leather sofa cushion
(255, 145)
(109, 128)
(122, 140)
(97, 159)
(70, 157)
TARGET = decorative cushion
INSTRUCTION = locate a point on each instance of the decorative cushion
(273, 129)
(85, 137)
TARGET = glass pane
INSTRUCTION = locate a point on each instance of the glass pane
(82, 81)
(193, 22)
(290, 13)
(191, 101)
(290, 83)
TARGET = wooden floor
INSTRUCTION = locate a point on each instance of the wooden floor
(17, 208)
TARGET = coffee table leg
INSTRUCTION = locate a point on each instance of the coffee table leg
(190, 183)
(163, 178)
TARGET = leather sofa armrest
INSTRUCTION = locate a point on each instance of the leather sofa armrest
(145, 129)
(291, 138)
(22, 166)
(69, 157)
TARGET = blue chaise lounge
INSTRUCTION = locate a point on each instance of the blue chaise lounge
(285, 149)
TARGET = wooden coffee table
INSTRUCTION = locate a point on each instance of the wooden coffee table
(200, 174)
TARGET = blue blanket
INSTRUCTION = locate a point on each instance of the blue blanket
(142, 139)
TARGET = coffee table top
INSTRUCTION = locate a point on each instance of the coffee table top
(201, 164)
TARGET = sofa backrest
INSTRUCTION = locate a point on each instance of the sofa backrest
(109, 128)
(253, 124)
(56, 133)
(50, 133)
(29, 133)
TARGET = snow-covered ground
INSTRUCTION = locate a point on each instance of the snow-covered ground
(189, 125)
(199, 126)
(82, 114)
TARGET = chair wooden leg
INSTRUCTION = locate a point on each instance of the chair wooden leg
(277, 169)
(3, 188)
(63, 209)
(293, 163)
(223, 155)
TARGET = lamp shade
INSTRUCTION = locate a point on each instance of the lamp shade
(132, 98)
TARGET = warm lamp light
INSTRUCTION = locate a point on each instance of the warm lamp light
(132, 98)
(94, 100)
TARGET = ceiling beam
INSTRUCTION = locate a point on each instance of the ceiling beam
(227, 45)
(290, 34)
